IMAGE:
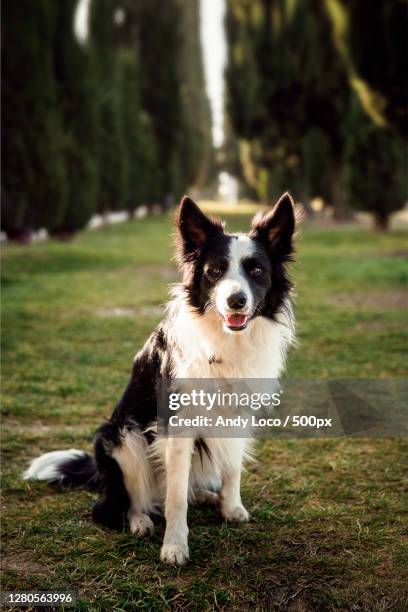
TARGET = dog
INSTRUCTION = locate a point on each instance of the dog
(230, 317)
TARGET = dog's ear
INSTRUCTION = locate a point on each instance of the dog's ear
(194, 227)
(277, 227)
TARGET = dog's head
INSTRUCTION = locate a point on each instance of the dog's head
(239, 276)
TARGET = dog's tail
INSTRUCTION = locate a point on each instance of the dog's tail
(71, 469)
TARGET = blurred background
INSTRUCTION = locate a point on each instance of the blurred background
(121, 106)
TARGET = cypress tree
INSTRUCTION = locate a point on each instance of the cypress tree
(112, 161)
(288, 92)
(174, 99)
(245, 104)
(374, 158)
(77, 104)
(315, 155)
(376, 39)
(34, 181)
(196, 145)
(160, 47)
(158, 28)
(372, 46)
(150, 167)
(324, 98)
(140, 150)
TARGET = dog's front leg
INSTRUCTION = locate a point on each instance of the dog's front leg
(177, 465)
(230, 495)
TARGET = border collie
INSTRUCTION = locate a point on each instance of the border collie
(231, 317)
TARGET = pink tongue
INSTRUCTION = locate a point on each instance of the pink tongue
(236, 320)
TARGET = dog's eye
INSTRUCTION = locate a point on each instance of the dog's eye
(214, 271)
(256, 271)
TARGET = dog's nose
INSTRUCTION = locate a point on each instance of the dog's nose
(237, 300)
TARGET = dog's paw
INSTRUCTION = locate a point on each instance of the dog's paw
(175, 554)
(236, 514)
(141, 525)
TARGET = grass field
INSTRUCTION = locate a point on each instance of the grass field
(329, 526)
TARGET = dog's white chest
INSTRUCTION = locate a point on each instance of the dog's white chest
(208, 352)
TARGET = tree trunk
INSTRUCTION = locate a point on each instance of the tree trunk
(22, 236)
(305, 200)
(341, 211)
(381, 222)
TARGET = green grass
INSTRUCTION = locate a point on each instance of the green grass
(329, 528)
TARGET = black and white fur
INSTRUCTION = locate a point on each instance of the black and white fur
(231, 317)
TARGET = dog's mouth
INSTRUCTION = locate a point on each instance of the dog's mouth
(236, 321)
